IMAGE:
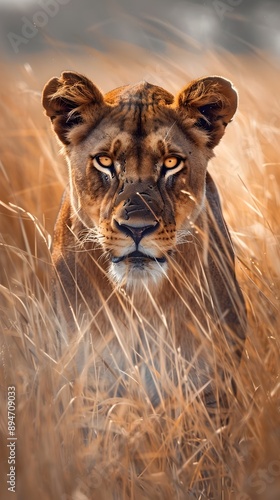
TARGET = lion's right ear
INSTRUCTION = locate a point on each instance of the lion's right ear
(71, 100)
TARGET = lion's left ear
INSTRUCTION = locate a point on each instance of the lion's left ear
(212, 102)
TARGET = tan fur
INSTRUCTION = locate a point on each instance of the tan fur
(179, 294)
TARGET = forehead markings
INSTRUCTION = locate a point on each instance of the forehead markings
(133, 109)
(159, 143)
(117, 144)
(169, 130)
(161, 147)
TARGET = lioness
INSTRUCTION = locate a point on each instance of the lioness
(141, 250)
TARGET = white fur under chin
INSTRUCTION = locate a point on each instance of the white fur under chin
(124, 274)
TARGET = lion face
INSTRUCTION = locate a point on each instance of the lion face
(138, 193)
(137, 160)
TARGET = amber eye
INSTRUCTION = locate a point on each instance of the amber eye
(104, 164)
(172, 162)
(104, 161)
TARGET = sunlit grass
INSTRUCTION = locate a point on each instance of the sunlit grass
(75, 439)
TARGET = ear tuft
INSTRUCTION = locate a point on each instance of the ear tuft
(70, 100)
(211, 102)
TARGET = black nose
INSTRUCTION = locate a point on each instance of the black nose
(137, 232)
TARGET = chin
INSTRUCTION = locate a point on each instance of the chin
(139, 273)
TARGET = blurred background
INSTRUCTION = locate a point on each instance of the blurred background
(234, 25)
(32, 26)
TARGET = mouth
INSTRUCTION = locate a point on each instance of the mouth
(137, 257)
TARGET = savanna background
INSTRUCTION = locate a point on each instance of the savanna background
(71, 444)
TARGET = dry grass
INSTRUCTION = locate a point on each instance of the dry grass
(71, 442)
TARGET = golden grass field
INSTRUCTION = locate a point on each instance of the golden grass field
(72, 444)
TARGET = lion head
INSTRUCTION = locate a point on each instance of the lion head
(137, 159)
